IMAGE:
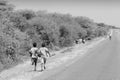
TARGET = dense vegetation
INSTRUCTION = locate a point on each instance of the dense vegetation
(18, 29)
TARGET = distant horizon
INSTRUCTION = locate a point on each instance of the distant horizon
(103, 11)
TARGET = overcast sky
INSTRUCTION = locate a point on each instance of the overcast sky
(106, 11)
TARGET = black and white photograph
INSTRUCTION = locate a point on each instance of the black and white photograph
(59, 40)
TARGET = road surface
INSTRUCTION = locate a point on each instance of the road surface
(101, 63)
(97, 60)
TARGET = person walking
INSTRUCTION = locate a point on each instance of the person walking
(110, 35)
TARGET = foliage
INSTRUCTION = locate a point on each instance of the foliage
(19, 29)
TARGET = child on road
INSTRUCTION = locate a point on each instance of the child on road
(34, 55)
(43, 54)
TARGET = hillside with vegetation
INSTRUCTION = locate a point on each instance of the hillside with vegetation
(20, 28)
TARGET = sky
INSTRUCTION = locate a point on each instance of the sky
(101, 11)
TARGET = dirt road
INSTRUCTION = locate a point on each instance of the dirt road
(101, 63)
(59, 67)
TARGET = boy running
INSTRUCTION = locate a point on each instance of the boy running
(34, 55)
(43, 54)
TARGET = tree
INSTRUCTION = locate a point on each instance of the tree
(19, 21)
(27, 14)
(5, 7)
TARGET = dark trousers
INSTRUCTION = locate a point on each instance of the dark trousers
(34, 61)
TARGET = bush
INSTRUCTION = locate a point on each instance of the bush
(19, 29)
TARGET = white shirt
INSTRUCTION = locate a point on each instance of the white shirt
(43, 51)
(33, 51)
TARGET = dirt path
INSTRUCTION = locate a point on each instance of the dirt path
(25, 71)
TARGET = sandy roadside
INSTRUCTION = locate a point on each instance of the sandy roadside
(25, 71)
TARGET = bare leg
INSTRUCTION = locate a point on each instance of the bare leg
(34, 68)
(35, 62)
(42, 67)
(43, 64)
